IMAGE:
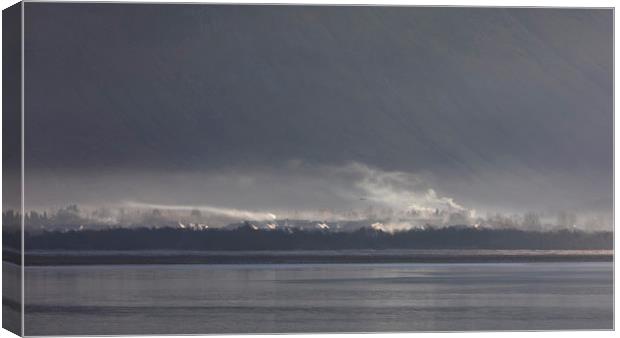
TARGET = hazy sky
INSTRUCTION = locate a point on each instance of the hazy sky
(279, 107)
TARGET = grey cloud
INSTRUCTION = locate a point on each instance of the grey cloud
(499, 109)
(403, 88)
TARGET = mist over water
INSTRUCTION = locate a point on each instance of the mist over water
(299, 191)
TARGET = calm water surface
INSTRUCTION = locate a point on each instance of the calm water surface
(165, 299)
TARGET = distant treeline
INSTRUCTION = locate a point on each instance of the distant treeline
(247, 238)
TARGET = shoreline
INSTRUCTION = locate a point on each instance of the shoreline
(309, 257)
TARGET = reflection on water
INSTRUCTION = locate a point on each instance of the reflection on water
(164, 299)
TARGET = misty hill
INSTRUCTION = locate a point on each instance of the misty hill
(250, 238)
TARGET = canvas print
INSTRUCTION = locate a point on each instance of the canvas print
(222, 168)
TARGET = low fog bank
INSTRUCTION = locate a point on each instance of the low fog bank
(295, 194)
(387, 220)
